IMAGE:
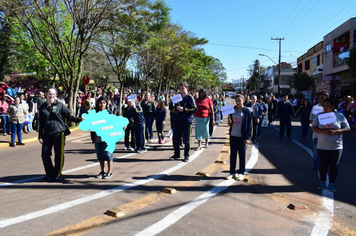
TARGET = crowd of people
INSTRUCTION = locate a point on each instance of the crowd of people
(47, 113)
(328, 126)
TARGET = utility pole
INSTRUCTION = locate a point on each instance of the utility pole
(279, 64)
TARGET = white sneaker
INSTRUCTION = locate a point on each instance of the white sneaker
(239, 177)
(230, 176)
(131, 149)
(125, 148)
(151, 141)
(170, 133)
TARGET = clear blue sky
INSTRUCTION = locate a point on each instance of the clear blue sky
(239, 30)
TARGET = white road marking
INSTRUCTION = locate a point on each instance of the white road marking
(66, 205)
(176, 215)
(64, 172)
(324, 221)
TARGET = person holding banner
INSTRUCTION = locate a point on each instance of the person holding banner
(100, 146)
(202, 118)
(240, 134)
(184, 119)
(51, 134)
(330, 125)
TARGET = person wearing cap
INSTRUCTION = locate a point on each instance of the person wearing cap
(284, 112)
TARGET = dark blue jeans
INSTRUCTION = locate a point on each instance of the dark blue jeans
(182, 128)
(237, 145)
(139, 137)
(149, 130)
(305, 126)
(16, 129)
(5, 119)
(285, 123)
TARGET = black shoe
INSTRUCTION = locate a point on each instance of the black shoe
(186, 159)
(58, 179)
(174, 157)
(12, 145)
(48, 179)
(21, 144)
(100, 175)
(107, 176)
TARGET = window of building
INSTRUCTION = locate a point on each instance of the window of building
(307, 64)
(318, 60)
(300, 68)
(327, 49)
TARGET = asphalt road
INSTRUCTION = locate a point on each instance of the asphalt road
(204, 202)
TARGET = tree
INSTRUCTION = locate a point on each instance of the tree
(351, 61)
(254, 76)
(5, 42)
(302, 82)
(127, 31)
(62, 30)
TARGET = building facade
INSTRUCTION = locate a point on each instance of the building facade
(311, 63)
(337, 45)
(271, 79)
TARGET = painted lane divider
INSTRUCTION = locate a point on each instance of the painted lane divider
(176, 215)
(66, 205)
(324, 221)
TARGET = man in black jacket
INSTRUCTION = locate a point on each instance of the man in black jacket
(284, 111)
(51, 134)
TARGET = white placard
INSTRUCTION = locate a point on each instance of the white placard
(264, 121)
(327, 118)
(227, 110)
(176, 98)
(131, 97)
(317, 109)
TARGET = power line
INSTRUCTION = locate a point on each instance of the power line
(285, 21)
(302, 18)
(247, 47)
(332, 17)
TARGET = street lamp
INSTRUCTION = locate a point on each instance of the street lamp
(279, 70)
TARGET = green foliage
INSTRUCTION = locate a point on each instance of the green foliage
(351, 61)
(254, 76)
(302, 82)
(5, 43)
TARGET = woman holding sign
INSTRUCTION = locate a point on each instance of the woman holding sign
(202, 118)
(330, 125)
(100, 146)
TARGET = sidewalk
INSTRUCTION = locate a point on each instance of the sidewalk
(26, 138)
